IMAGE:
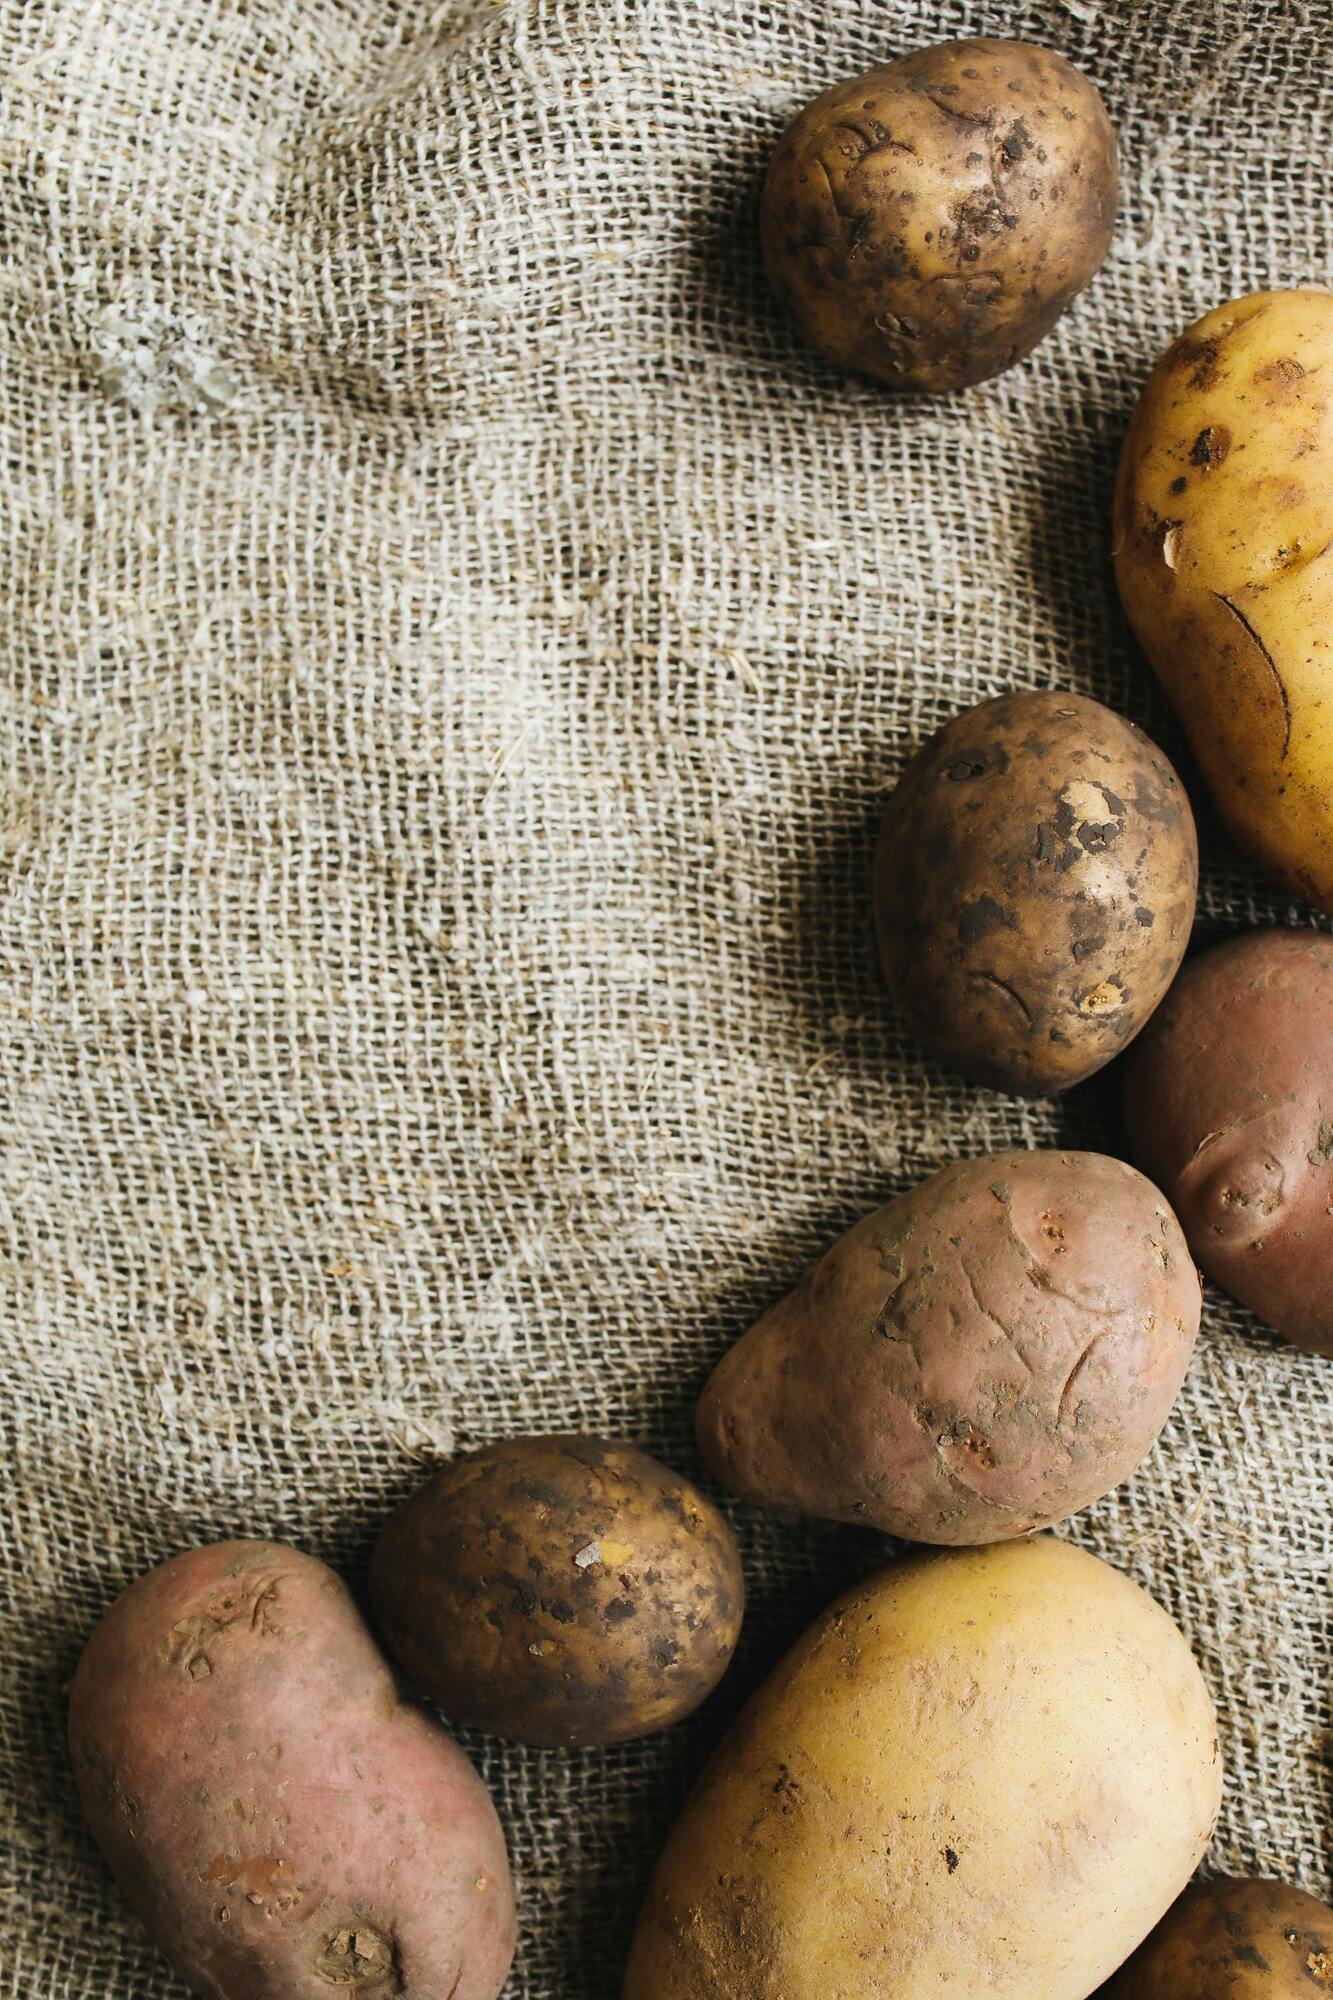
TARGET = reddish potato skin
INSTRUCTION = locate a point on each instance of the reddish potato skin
(1035, 884)
(1228, 1101)
(928, 223)
(1230, 1940)
(992, 1351)
(283, 1825)
(560, 1590)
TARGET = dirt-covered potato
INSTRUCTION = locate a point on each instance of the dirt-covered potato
(1234, 1940)
(983, 1774)
(1034, 889)
(1224, 554)
(560, 1590)
(993, 1350)
(284, 1825)
(1228, 1101)
(928, 223)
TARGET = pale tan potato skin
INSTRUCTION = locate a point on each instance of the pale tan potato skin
(1035, 885)
(283, 1825)
(983, 1774)
(1234, 1940)
(928, 223)
(1228, 1100)
(1224, 555)
(987, 1354)
(560, 1590)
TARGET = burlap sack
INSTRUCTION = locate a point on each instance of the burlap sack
(456, 647)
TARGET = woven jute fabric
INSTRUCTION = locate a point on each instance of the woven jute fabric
(456, 646)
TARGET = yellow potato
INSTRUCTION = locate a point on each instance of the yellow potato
(1224, 554)
(984, 1774)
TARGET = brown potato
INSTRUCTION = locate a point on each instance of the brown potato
(1230, 1940)
(981, 1775)
(1224, 556)
(990, 1352)
(1228, 1101)
(928, 223)
(560, 1590)
(1034, 889)
(283, 1824)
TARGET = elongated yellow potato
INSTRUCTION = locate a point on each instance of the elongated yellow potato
(984, 1775)
(1224, 555)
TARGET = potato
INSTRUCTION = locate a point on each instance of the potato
(560, 1590)
(285, 1827)
(987, 1354)
(984, 1774)
(1224, 554)
(1228, 1101)
(1234, 1941)
(929, 222)
(1034, 889)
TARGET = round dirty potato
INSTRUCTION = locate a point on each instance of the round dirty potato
(1034, 889)
(1234, 1940)
(984, 1774)
(1224, 555)
(928, 223)
(560, 1590)
(283, 1824)
(992, 1351)
(1228, 1101)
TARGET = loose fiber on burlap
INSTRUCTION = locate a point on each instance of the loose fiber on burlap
(456, 644)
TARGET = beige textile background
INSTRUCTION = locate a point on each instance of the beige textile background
(455, 647)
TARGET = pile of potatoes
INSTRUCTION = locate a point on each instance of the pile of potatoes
(992, 1768)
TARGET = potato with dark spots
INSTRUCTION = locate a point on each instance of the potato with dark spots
(928, 223)
(283, 1824)
(1234, 1940)
(1228, 1101)
(984, 1774)
(989, 1353)
(1034, 889)
(560, 1591)
(1224, 555)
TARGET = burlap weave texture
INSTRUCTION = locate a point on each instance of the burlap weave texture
(455, 647)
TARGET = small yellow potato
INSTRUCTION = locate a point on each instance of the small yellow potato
(1224, 555)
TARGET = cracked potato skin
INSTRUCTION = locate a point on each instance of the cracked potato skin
(1224, 557)
(1228, 1102)
(1234, 1940)
(987, 1354)
(1035, 885)
(283, 1824)
(986, 1773)
(560, 1591)
(927, 223)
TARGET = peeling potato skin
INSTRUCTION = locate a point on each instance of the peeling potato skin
(285, 1827)
(1224, 556)
(1234, 1940)
(1035, 885)
(985, 1773)
(560, 1591)
(1228, 1102)
(987, 1354)
(928, 223)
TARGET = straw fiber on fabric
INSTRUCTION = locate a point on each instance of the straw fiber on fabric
(456, 644)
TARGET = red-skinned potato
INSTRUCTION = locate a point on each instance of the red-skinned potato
(1234, 1940)
(1228, 1100)
(987, 1354)
(285, 1827)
